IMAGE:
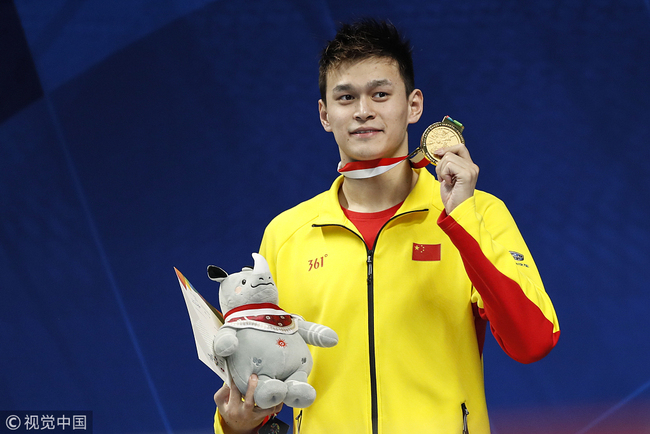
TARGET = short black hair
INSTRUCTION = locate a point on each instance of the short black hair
(364, 39)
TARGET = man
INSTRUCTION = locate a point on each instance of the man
(407, 269)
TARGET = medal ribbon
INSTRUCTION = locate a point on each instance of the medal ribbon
(371, 168)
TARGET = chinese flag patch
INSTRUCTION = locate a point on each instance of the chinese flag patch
(426, 252)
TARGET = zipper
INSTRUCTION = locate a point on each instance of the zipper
(463, 407)
(374, 406)
(298, 422)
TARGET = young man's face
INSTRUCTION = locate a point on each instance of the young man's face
(368, 110)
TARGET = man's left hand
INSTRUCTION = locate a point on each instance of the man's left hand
(457, 174)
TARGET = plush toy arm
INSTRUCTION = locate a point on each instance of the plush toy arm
(225, 342)
(317, 334)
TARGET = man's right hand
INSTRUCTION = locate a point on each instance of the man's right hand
(241, 416)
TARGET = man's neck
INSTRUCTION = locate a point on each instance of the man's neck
(380, 192)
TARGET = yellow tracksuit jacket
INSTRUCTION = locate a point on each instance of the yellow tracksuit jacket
(411, 314)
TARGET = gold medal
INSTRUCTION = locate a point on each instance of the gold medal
(440, 135)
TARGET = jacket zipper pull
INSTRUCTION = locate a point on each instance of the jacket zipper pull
(465, 413)
(298, 422)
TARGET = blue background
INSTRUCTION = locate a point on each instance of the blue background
(138, 136)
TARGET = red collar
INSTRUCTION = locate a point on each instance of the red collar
(251, 306)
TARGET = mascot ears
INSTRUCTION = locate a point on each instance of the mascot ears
(261, 267)
(217, 274)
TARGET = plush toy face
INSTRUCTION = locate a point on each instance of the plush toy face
(246, 287)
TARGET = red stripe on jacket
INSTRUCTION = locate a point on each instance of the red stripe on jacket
(518, 324)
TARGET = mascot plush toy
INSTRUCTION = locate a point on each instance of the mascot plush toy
(260, 338)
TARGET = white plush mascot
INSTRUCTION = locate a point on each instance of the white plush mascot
(260, 338)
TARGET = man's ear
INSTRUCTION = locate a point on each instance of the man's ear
(416, 106)
(324, 119)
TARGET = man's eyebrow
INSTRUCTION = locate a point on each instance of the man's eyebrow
(345, 87)
(377, 83)
(342, 87)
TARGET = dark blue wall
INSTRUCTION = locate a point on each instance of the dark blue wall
(138, 136)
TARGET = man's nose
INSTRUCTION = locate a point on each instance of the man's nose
(365, 110)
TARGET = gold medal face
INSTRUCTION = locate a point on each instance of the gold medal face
(437, 136)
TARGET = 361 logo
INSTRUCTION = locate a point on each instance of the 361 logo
(315, 264)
